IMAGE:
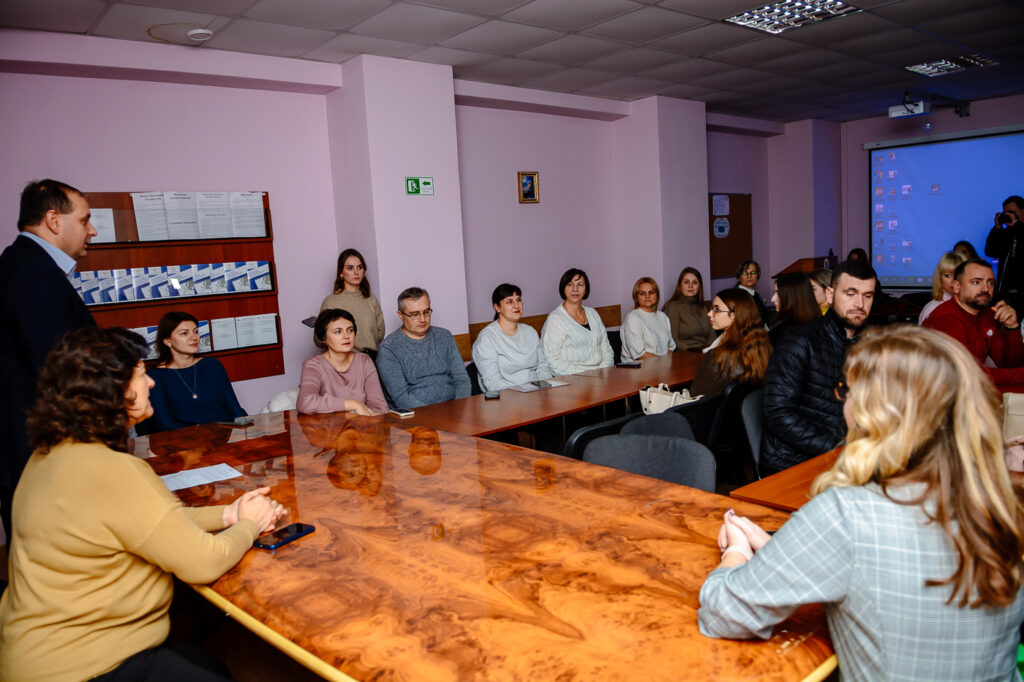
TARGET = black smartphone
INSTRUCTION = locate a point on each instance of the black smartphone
(540, 383)
(402, 413)
(282, 536)
(491, 395)
(629, 365)
(239, 421)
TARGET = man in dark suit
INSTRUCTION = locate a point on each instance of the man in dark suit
(38, 305)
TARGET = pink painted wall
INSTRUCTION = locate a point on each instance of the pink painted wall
(110, 135)
(739, 164)
(531, 245)
(989, 113)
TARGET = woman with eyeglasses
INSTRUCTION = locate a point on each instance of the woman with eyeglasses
(506, 352)
(573, 337)
(646, 331)
(742, 350)
(98, 537)
(912, 541)
(341, 379)
(190, 389)
(352, 293)
(747, 276)
(687, 313)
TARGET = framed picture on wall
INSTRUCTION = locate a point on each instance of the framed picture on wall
(529, 192)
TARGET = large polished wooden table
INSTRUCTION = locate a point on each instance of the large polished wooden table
(439, 556)
(790, 488)
(475, 416)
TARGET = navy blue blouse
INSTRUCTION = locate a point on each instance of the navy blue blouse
(199, 394)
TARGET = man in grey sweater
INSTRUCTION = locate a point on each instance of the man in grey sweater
(420, 364)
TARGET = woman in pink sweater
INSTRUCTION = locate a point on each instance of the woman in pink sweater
(341, 379)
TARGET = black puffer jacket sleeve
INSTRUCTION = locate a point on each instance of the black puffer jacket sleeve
(802, 417)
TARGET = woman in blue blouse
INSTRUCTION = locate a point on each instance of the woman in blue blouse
(189, 389)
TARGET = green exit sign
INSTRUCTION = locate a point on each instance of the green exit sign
(423, 187)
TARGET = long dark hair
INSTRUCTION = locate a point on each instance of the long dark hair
(168, 323)
(744, 349)
(678, 295)
(81, 390)
(797, 305)
(339, 281)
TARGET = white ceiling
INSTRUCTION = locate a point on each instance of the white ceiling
(842, 69)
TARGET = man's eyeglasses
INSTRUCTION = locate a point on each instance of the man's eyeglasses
(841, 390)
(419, 314)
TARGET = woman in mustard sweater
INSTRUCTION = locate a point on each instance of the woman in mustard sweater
(97, 535)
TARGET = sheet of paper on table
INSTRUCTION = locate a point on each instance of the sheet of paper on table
(200, 476)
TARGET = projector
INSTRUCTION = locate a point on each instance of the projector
(909, 109)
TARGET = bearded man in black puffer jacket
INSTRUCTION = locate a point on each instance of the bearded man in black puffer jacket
(803, 412)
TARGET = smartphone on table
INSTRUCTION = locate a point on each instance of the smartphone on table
(282, 536)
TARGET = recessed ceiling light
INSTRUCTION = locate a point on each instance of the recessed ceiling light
(782, 16)
(940, 67)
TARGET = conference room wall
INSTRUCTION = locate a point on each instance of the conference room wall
(989, 113)
(531, 245)
(113, 135)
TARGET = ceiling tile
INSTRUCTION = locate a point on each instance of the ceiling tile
(511, 71)
(989, 42)
(348, 45)
(571, 50)
(415, 24)
(721, 96)
(730, 79)
(769, 85)
(919, 54)
(712, 9)
(224, 8)
(316, 13)
(645, 24)
(570, 16)
(758, 51)
(570, 80)
(632, 61)
(873, 44)
(686, 69)
(490, 8)
(706, 39)
(260, 37)
(834, 69)
(916, 11)
(977, 20)
(52, 15)
(841, 28)
(628, 88)
(686, 91)
(501, 37)
(796, 64)
(133, 22)
(446, 55)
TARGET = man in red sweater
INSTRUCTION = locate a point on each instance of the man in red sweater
(986, 331)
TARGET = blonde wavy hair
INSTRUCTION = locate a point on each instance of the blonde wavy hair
(947, 263)
(924, 412)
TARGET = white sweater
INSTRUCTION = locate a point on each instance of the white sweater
(645, 332)
(572, 348)
(504, 360)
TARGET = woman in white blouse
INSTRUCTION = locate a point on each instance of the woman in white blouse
(573, 336)
(646, 331)
(507, 353)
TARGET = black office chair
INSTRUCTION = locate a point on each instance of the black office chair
(728, 438)
(664, 424)
(701, 415)
(752, 412)
(579, 439)
(474, 379)
(677, 460)
(615, 339)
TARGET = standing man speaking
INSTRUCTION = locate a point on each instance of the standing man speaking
(38, 305)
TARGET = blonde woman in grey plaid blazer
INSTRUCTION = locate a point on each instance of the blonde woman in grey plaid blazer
(913, 540)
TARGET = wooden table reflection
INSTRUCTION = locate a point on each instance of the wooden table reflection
(443, 557)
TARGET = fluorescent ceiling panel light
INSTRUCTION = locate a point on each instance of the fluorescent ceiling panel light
(782, 16)
(940, 67)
